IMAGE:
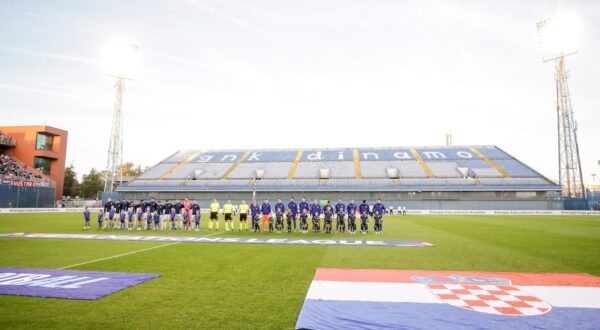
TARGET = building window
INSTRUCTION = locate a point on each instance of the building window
(44, 142)
(42, 164)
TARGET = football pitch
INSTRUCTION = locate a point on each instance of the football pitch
(255, 286)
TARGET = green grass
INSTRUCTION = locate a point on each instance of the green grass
(236, 286)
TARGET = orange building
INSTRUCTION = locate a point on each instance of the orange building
(43, 148)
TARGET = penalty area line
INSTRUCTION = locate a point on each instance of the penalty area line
(126, 254)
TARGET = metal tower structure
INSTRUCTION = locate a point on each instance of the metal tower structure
(114, 175)
(569, 164)
(557, 39)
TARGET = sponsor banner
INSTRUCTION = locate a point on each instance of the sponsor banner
(48, 210)
(69, 284)
(24, 183)
(418, 299)
(212, 239)
(503, 212)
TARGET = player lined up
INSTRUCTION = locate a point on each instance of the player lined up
(157, 216)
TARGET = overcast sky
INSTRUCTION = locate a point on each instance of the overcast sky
(288, 74)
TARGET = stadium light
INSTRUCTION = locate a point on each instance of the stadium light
(120, 60)
(558, 36)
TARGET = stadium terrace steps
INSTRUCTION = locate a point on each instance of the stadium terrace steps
(402, 169)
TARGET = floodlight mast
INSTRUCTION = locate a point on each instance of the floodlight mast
(114, 165)
(115, 146)
(569, 164)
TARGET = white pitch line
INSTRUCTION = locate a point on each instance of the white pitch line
(128, 253)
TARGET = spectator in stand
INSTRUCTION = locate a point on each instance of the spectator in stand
(10, 169)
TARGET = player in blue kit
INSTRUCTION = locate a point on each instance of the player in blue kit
(149, 220)
(111, 217)
(122, 217)
(100, 219)
(86, 218)
(304, 221)
(254, 213)
(364, 208)
(197, 220)
(303, 205)
(377, 226)
(130, 220)
(186, 224)
(139, 217)
(364, 223)
(156, 217)
(173, 218)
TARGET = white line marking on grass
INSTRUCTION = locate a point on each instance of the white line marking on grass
(126, 254)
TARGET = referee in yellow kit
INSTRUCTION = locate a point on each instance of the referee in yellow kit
(243, 209)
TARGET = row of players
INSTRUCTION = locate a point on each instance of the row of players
(156, 215)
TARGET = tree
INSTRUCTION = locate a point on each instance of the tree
(91, 183)
(71, 184)
(130, 169)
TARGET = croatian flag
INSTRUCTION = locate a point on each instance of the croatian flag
(418, 299)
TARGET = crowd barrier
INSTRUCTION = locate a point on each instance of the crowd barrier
(412, 212)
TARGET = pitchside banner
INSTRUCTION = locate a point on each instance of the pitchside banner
(417, 299)
(188, 239)
(70, 284)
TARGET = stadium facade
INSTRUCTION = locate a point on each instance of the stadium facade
(459, 177)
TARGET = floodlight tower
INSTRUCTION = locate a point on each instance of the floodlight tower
(119, 59)
(557, 37)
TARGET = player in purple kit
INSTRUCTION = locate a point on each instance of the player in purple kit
(86, 218)
(173, 218)
(156, 217)
(186, 224)
(100, 219)
(140, 217)
(197, 219)
(149, 220)
(303, 205)
(122, 217)
(130, 219)
(111, 217)
(293, 208)
(254, 214)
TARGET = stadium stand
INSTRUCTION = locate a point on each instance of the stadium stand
(475, 177)
(9, 168)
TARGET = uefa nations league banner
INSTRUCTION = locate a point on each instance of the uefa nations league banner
(420, 299)
(70, 284)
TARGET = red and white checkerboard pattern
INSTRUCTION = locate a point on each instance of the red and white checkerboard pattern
(491, 299)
